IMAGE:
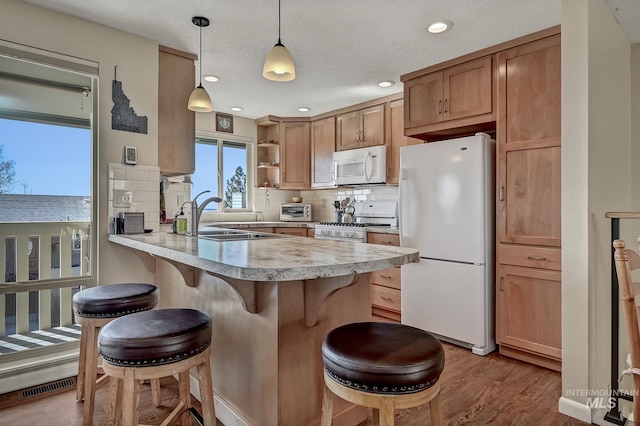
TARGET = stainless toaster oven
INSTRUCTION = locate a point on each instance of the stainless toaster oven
(295, 212)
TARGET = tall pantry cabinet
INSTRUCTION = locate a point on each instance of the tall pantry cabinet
(528, 284)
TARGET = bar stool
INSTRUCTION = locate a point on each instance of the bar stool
(151, 345)
(384, 366)
(95, 307)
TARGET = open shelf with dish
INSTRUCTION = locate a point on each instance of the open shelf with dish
(268, 153)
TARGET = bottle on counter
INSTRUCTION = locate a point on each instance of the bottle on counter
(180, 223)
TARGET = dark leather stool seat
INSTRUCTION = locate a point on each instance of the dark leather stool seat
(383, 357)
(155, 344)
(155, 337)
(115, 300)
(93, 308)
(385, 366)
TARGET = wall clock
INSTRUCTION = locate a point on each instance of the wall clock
(224, 123)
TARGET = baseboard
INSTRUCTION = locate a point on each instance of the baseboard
(36, 371)
(574, 409)
(224, 412)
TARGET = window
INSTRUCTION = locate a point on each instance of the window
(222, 167)
(46, 192)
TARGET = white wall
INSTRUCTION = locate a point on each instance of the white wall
(595, 179)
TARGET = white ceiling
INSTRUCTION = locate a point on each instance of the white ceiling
(341, 48)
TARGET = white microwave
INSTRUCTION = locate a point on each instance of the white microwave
(360, 166)
(295, 212)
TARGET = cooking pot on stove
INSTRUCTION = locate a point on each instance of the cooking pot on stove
(347, 216)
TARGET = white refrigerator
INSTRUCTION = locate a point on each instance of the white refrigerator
(446, 203)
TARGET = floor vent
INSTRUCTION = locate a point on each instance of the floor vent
(58, 385)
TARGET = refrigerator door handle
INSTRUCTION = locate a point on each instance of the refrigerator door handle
(402, 176)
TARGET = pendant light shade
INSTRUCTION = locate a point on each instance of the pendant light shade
(279, 64)
(199, 101)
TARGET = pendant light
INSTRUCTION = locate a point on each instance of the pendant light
(279, 64)
(199, 100)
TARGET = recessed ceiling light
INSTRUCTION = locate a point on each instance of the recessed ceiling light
(304, 109)
(439, 26)
(212, 78)
(236, 108)
(386, 83)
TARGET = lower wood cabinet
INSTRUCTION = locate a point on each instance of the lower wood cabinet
(529, 314)
(385, 283)
(298, 232)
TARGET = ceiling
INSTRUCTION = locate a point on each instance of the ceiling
(341, 49)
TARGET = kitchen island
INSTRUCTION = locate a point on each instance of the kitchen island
(272, 302)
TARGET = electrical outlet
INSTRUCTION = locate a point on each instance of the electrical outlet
(122, 198)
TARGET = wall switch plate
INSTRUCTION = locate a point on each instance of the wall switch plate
(122, 198)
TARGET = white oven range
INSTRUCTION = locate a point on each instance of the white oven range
(367, 214)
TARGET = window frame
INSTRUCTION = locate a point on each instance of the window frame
(250, 172)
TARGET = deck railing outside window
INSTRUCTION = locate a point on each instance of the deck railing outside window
(43, 265)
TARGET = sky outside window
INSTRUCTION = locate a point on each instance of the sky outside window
(49, 159)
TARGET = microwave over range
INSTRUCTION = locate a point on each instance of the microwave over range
(360, 166)
(295, 212)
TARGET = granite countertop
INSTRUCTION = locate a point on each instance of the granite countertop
(275, 259)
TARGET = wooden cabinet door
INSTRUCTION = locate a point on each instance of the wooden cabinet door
(396, 139)
(372, 126)
(529, 144)
(295, 155)
(176, 124)
(529, 197)
(323, 144)
(468, 89)
(348, 130)
(298, 232)
(423, 100)
(528, 310)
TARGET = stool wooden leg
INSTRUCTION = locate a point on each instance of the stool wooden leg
(185, 396)
(387, 410)
(115, 398)
(327, 407)
(435, 405)
(206, 393)
(82, 358)
(90, 372)
(155, 392)
(130, 398)
(376, 417)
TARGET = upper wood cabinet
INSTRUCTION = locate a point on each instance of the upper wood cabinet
(176, 124)
(323, 145)
(295, 155)
(359, 128)
(528, 172)
(455, 97)
(396, 139)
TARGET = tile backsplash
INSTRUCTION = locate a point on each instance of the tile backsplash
(135, 189)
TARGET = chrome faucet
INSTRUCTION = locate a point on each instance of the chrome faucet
(196, 211)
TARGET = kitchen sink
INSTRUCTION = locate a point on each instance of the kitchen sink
(235, 235)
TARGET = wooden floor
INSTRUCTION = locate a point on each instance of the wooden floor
(490, 390)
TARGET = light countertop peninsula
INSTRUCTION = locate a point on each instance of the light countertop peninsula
(275, 259)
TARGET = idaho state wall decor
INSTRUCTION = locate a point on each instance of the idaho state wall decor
(123, 116)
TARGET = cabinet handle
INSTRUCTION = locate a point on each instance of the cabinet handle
(536, 258)
(386, 276)
(386, 299)
(446, 101)
(440, 107)
(501, 196)
(357, 137)
(502, 283)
